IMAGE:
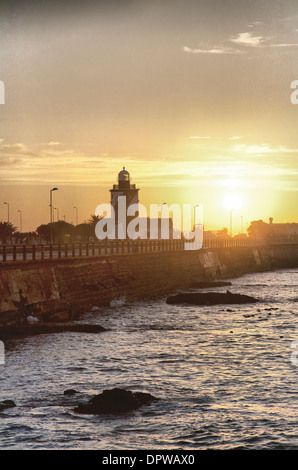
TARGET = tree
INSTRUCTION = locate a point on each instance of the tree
(6, 231)
(94, 219)
(259, 229)
(44, 231)
(92, 224)
(26, 237)
(84, 232)
(62, 232)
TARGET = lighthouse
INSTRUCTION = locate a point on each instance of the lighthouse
(131, 193)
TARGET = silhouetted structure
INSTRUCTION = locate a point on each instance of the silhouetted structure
(261, 229)
(125, 188)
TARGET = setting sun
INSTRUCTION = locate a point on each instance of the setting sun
(233, 202)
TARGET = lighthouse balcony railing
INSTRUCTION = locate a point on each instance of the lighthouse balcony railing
(116, 187)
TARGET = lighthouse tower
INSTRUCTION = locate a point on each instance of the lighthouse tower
(124, 188)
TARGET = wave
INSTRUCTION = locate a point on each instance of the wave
(117, 302)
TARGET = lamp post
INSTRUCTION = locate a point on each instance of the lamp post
(76, 214)
(199, 216)
(7, 210)
(164, 226)
(161, 211)
(21, 230)
(51, 211)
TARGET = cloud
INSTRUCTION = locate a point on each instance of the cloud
(247, 39)
(264, 148)
(233, 137)
(217, 50)
(283, 45)
(254, 24)
(54, 143)
(199, 137)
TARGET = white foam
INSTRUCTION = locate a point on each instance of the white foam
(32, 319)
(117, 302)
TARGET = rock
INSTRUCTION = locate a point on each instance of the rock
(70, 391)
(115, 401)
(48, 328)
(7, 404)
(205, 285)
(210, 298)
(144, 398)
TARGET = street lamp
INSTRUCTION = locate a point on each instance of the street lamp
(7, 210)
(164, 223)
(51, 211)
(198, 214)
(21, 230)
(76, 214)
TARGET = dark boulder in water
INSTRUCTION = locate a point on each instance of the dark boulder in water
(48, 328)
(70, 391)
(7, 404)
(115, 401)
(210, 298)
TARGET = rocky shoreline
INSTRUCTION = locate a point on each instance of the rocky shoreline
(114, 401)
(210, 298)
(48, 328)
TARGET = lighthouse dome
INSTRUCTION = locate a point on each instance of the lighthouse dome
(123, 175)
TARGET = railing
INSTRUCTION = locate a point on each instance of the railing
(74, 250)
(108, 247)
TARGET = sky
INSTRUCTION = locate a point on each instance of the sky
(191, 96)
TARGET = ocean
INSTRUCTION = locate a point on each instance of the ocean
(225, 375)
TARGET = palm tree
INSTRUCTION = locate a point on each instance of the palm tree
(6, 231)
(92, 224)
(94, 219)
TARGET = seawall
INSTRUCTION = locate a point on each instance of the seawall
(61, 290)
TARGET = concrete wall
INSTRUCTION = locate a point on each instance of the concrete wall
(63, 289)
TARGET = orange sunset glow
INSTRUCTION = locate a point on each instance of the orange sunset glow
(196, 114)
(148, 228)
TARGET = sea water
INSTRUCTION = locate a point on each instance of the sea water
(224, 375)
